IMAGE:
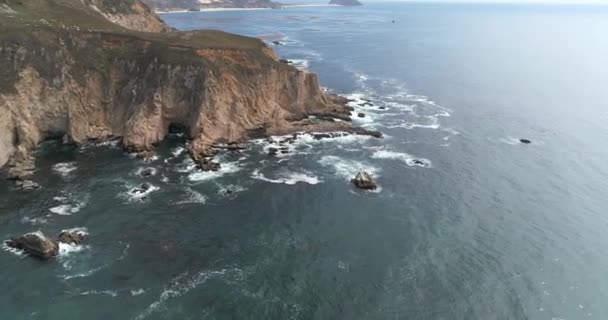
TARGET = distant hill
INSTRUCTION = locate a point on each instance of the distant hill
(346, 2)
(194, 5)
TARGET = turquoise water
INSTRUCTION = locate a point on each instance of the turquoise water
(482, 227)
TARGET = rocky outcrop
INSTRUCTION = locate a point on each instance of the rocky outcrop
(364, 180)
(97, 82)
(35, 244)
(72, 237)
(38, 245)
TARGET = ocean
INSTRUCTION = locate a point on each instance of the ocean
(468, 223)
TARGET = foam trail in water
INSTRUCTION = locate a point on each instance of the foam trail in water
(225, 168)
(193, 197)
(110, 293)
(290, 178)
(65, 168)
(230, 189)
(407, 158)
(34, 221)
(140, 192)
(64, 210)
(182, 284)
(348, 169)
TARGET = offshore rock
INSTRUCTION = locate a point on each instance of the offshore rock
(363, 180)
(35, 244)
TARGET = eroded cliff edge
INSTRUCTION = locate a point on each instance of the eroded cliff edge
(83, 79)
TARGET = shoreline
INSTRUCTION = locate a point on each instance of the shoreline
(310, 5)
(212, 10)
(249, 9)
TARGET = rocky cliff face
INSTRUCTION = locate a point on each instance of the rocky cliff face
(134, 15)
(96, 84)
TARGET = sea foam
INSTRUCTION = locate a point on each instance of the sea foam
(290, 178)
(405, 157)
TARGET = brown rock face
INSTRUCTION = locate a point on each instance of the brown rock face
(35, 244)
(364, 181)
(70, 237)
(98, 83)
(134, 15)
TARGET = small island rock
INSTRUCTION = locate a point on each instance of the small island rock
(35, 244)
(363, 180)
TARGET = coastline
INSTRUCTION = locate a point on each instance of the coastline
(310, 5)
(250, 9)
(212, 10)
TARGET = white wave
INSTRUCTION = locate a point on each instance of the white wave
(65, 209)
(305, 142)
(288, 178)
(60, 199)
(137, 292)
(12, 250)
(67, 249)
(225, 168)
(81, 231)
(64, 168)
(510, 140)
(139, 193)
(348, 169)
(151, 170)
(186, 166)
(409, 125)
(110, 293)
(407, 107)
(34, 221)
(307, 139)
(81, 274)
(176, 152)
(67, 206)
(299, 63)
(181, 285)
(193, 197)
(407, 158)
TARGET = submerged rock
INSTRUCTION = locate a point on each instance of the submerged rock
(27, 185)
(147, 156)
(208, 164)
(319, 136)
(277, 43)
(285, 61)
(147, 172)
(364, 180)
(35, 244)
(141, 190)
(273, 151)
(361, 115)
(525, 141)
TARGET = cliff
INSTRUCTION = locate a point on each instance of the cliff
(67, 70)
(346, 2)
(168, 5)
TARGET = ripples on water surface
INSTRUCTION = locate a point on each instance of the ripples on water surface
(468, 224)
